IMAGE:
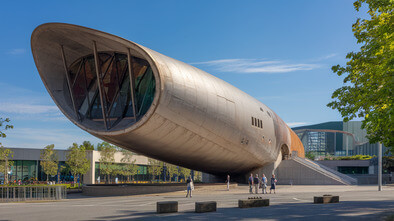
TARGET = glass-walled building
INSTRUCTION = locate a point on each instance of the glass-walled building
(337, 139)
(26, 167)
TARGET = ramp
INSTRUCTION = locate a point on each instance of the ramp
(306, 172)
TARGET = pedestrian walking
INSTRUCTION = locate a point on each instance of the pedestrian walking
(228, 182)
(264, 183)
(256, 183)
(250, 181)
(190, 186)
(273, 183)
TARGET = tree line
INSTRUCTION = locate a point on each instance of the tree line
(77, 164)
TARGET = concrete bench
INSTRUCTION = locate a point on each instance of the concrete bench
(253, 203)
(167, 207)
(203, 207)
(326, 199)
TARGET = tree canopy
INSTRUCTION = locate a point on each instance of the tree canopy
(130, 168)
(49, 160)
(87, 145)
(107, 153)
(369, 75)
(5, 162)
(155, 168)
(4, 126)
(172, 170)
(185, 172)
(76, 160)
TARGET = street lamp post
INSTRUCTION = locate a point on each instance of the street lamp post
(380, 167)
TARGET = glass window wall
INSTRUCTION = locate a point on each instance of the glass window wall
(116, 92)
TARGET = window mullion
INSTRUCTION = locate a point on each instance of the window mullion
(131, 76)
(86, 89)
(68, 82)
(99, 83)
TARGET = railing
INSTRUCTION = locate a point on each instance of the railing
(30, 193)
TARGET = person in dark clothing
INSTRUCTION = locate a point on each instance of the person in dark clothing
(250, 181)
(273, 183)
(256, 183)
(190, 185)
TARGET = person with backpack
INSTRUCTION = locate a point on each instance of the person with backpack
(256, 183)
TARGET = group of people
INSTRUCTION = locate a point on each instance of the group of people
(255, 182)
(258, 183)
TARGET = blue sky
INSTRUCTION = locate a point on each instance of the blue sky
(280, 52)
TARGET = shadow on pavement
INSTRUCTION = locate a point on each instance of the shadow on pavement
(348, 210)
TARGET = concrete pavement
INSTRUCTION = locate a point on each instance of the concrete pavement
(289, 203)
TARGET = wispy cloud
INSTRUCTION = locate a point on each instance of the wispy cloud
(325, 57)
(250, 66)
(296, 124)
(16, 51)
(21, 108)
(24, 104)
(40, 137)
(329, 56)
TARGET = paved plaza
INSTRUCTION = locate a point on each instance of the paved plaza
(289, 203)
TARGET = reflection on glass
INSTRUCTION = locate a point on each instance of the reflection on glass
(115, 83)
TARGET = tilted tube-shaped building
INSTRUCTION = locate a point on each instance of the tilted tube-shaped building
(151, 104)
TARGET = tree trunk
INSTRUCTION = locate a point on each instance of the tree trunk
(6, 172)
(75, 179)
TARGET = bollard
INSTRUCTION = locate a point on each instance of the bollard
(326, 199)
(203, 207)
(253, 203)
(167, 207)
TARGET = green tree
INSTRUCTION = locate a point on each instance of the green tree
(155, 168)
(185, 172)
(4, 126)
(130, 168)
(107, 158)
(369, 82)
(117, 170)
(49, 160)
(310, 155)
(172, 170)
(88, 145)
(197, 176)
(5, 162)
(77, 161)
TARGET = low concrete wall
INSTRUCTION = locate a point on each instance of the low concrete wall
(334, 164)
(367, 179)
(137, 189)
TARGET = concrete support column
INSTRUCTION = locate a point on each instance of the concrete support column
(89, 177)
